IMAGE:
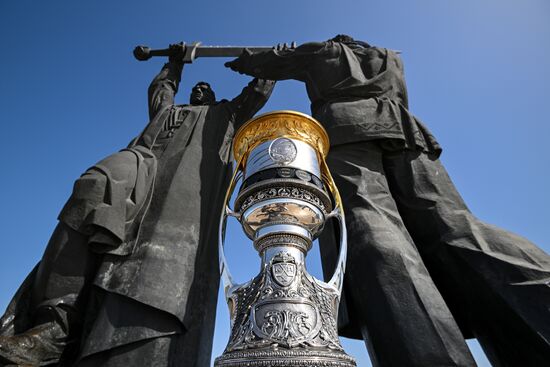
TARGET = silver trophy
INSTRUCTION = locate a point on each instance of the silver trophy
(284, 316)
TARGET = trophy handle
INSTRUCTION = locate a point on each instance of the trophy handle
(227, 279)
(337, 279)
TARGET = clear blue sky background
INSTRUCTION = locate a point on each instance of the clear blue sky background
(71, 93)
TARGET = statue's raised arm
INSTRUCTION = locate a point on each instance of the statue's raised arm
(165, 85)
(252, 98)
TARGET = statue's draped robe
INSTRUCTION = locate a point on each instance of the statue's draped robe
(171, 274)
(152, 212)
(395, 191)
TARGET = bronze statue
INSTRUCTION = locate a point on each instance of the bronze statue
(423, 272)
(130, 274)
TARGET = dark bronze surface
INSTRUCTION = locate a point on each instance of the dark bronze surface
(423, 272)
(129, 276)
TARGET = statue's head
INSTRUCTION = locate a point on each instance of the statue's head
(202, 94)
(349, 41)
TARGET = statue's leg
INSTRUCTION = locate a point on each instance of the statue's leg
(60, 281)
(401, 314)
(496, 283)
(66, 266)
(157, 351)
(125, 332)
(92, 222)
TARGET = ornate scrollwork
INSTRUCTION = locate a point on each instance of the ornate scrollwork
(286, 324)
(283, 192)
(285, 358)
(283, 239)
(295, 312)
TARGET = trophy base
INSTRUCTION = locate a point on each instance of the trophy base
(270, 357)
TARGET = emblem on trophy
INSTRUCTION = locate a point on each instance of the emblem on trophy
(284, 316)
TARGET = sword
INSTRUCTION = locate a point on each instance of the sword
(196, 50)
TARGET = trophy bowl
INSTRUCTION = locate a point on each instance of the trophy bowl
(282, 190)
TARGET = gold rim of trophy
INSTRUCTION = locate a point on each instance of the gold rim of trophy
(277, 124)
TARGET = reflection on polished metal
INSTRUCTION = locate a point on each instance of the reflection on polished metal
(284, 316)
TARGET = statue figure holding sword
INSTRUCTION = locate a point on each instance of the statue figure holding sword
(129, 276)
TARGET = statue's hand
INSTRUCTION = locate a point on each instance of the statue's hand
(235, 65)
(265, 83)
(177, 52)
(284, 46)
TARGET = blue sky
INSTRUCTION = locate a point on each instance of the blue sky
(71, 93)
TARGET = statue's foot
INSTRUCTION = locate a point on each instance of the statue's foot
(39, 346)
